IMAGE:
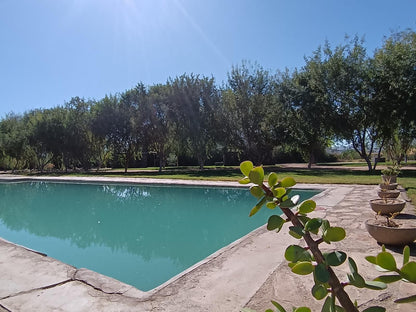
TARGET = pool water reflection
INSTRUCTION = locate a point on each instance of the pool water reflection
(141, 235)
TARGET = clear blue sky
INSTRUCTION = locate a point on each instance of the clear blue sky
(53, 50)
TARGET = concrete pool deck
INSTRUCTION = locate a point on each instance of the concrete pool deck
(247, 273)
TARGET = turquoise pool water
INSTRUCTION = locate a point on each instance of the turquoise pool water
(141, 235)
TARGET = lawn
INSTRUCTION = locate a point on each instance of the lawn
(337, 175)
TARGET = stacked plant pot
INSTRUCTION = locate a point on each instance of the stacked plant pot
(388, 202)
(391, 226)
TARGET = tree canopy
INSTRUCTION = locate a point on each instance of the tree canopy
(340, 93)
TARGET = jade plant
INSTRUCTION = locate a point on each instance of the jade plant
(314, 231)
(407, 272)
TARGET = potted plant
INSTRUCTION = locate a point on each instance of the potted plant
(390, 174)
(387, 183)
(386, 206)
(384, 193)
(385, 230)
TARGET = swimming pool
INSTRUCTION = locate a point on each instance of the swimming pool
(139, 234)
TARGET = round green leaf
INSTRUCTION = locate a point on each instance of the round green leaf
(275, 222)
(278, 306)
(357, 280)
(319, 291)
(297, 229)
(289, 202)
(329, 305)
(406, 254)
(335, 258)
(313, 224)
(286, 203)
(408, 271)
(371, 259)
(272, 179)
(293, 253)
(375, 285)
(295, 234)
(386, 261)
(307, 206)
(303, 268)
(254, 211)
(287, 182)
(325, 225)
(388, 278)
(352, 265)
(246, 167)
(256, 175)
(334, 234)
(244, 180)
(321, 273)
(271, 205)
(303, 219)
(302, 309)
(279, 192)
(257, 207)
(256, 191)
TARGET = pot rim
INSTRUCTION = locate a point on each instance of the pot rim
(397, 200)
(368, 222)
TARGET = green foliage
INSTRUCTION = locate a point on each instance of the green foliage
(310, 260)
(335, 258)
(340, 92)
(275, 222)
(334, 234)
(391, 170)
(307, 206)
(319, 291)
(407, 272)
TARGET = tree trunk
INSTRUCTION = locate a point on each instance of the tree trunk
(311, 159)
(378, 157)
(161, 160)
(201, 163)
(368, 161)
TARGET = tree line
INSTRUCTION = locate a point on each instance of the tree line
(340, 93)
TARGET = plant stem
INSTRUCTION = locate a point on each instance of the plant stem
(336, 286)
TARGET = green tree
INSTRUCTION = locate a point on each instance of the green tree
(39, 125)
(13, 139)
(395, 91)
(101, 149)
(160, 130)
(351, 91)
(120, 120)
(247, 104)
(77, 134)
(305, 96)
(194, 101)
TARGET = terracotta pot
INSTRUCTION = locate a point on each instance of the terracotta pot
(387, 206)
(404, 234)
(389, 178)
(391, 186)
(388, 193)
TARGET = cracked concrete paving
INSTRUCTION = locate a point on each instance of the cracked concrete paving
(249, 272)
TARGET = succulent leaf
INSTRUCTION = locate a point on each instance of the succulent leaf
(246, 167)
